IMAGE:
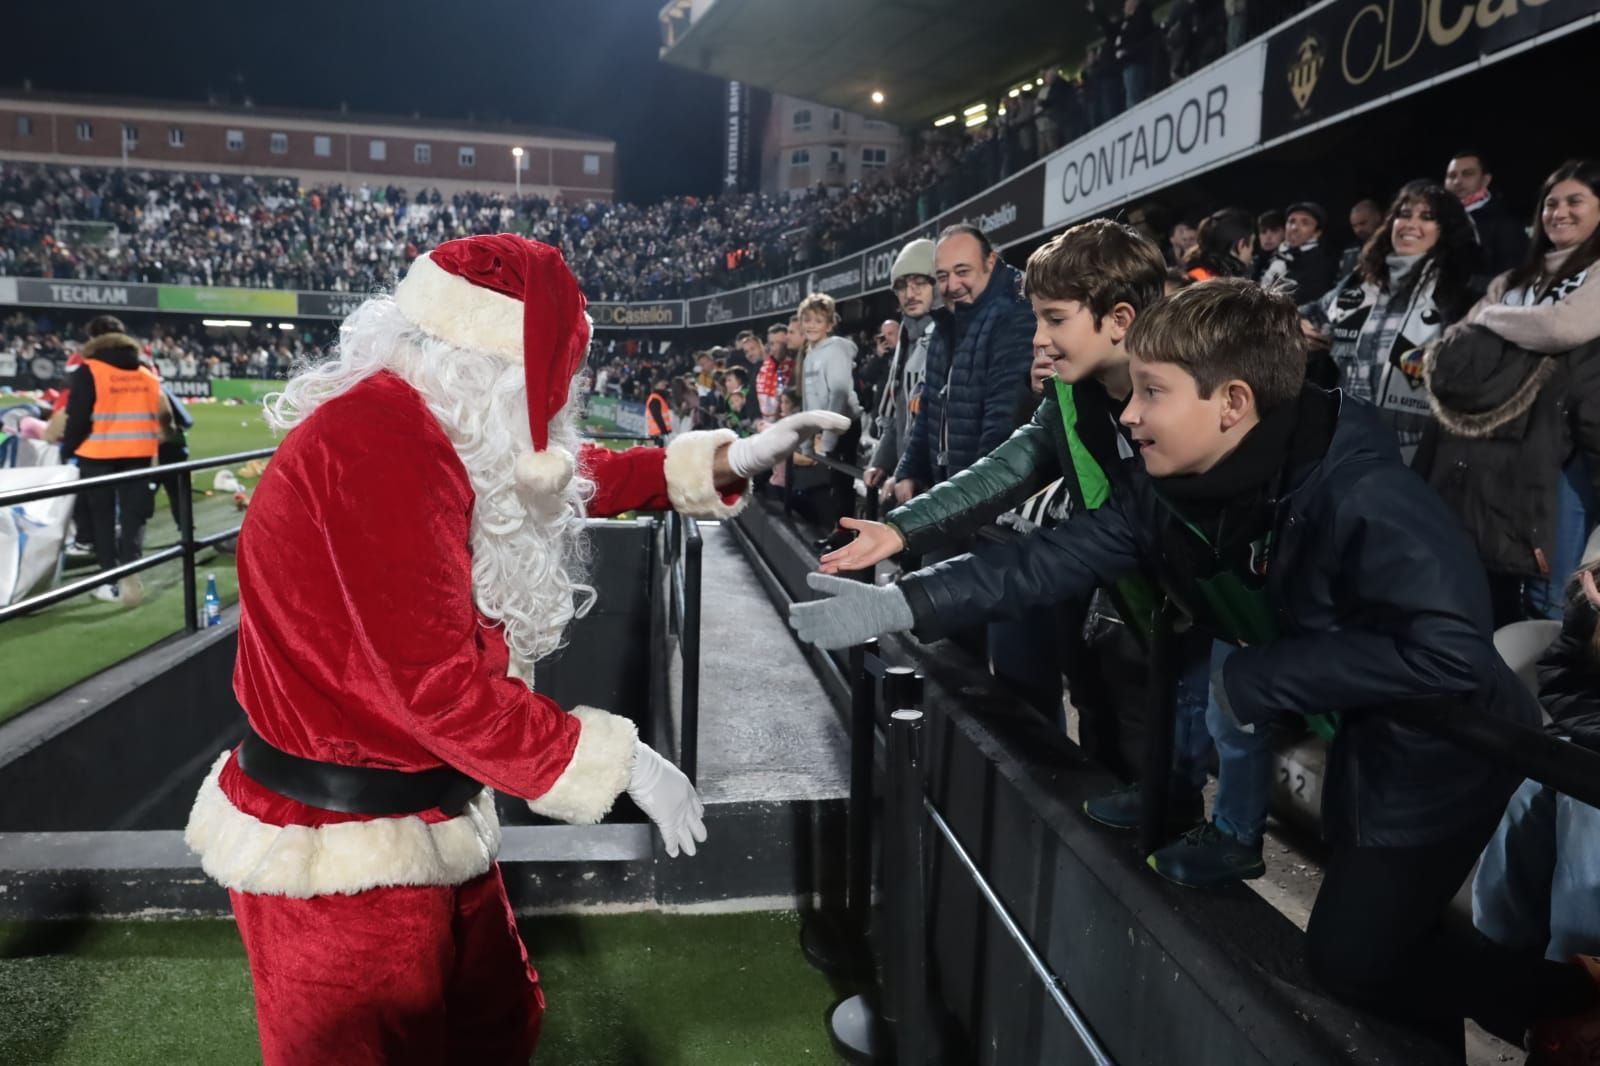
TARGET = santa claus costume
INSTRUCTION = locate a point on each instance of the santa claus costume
(415, 546)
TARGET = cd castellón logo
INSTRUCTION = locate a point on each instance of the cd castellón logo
(1305, 70)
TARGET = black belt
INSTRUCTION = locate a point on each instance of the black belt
(355, 789)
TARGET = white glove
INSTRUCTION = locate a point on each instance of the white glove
(663, 793)
(765, 450)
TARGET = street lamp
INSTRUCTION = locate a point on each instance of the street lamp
(516, 168)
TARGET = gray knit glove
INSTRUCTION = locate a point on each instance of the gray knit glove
(850, 612)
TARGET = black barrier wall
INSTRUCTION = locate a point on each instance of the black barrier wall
(128, 748)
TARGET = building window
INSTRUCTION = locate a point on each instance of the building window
(591, 164)
(802, 119)
(24, 125)
(876, 124)
(835, 156)
(837, 121)
(130, 136)
(280, 144)
(377, 151)
(422, 153)
(874, 158)
(235, 140)
(800, 157)
(175, 136)
(322, 145)
(85, 131)
(466, 156)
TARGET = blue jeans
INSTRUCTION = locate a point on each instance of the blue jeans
(1576, 514)
(1191, 742)
(1244, 760)
(1540, 876)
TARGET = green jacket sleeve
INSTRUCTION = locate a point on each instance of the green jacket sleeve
(1023, 464)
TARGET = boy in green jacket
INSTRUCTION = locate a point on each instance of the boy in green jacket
(1087, 286)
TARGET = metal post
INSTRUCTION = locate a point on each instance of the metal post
(689, 648)
(185, 502)
(1160, 720)
(863, 739)
(906, 994)
(788, 485)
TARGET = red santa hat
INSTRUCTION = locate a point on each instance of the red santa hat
(514, 298)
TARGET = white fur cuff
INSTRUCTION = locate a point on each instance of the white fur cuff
(690, 486)
(242, 852)
(454, 310)
(598, 772)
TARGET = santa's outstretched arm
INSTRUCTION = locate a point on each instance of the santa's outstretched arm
(703, 474)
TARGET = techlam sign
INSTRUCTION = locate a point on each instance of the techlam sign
(1202, 121)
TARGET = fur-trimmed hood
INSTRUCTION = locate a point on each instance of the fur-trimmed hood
(1478, 382)
(118, 349)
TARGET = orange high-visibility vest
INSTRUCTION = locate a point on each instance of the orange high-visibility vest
(657, 425)
(127, 408)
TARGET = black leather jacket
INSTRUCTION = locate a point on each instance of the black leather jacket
(1380, 603)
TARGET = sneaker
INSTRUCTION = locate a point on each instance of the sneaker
(1574, 1040)
(1121, 810)
(131, 590)
(1207, 857)
(106, 594)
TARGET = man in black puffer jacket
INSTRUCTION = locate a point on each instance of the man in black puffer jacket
(974, 382)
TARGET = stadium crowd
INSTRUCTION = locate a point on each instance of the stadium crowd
(122, 224)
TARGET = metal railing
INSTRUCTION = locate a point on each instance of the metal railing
(905, 1007)
(870, 508)
(683, 558)
(186, 549)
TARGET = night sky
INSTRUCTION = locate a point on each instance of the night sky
(586, 65)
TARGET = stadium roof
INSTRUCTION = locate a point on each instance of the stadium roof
(927, 57)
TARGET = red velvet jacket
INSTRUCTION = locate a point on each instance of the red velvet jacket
(359, 642)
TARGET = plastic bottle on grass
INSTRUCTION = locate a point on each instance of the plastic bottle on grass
(211, 612)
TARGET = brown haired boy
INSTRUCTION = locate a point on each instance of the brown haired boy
(1281, 518)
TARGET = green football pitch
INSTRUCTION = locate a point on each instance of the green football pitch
(47, 651)
(621, 990)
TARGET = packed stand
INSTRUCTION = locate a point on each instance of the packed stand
(179, 347)
(119, 224)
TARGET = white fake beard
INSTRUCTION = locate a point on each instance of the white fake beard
(529, 557)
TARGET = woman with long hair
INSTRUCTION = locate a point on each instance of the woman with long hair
(1545, 315)
(1410, 282)
(1223, 248)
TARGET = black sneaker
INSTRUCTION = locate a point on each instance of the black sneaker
(1121, 810)
(1207, 857)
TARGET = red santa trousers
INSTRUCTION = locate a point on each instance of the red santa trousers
(392, 976)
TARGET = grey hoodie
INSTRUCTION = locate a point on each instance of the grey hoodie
(830, 383)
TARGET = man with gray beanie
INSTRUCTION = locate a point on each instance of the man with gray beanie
(922, 324)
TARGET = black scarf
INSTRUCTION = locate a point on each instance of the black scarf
(1233, 505)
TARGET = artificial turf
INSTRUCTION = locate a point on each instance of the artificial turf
(622, 990)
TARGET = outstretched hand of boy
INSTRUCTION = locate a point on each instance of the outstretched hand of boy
(875, 542)
(849, 612)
